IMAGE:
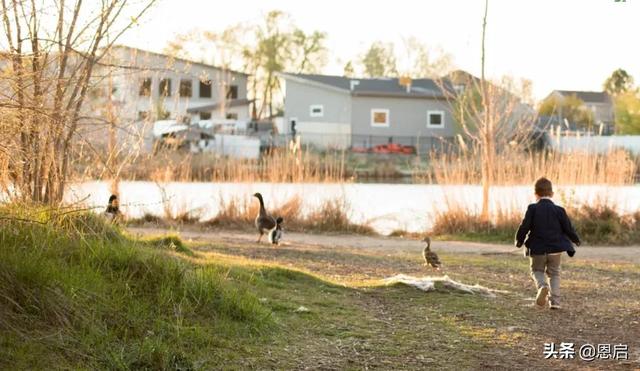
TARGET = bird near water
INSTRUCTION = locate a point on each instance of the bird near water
(430, 257)
(264, 222)
(275, 235)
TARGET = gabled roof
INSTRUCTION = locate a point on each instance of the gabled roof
(382, 87)
(461, 77)
(587, 96)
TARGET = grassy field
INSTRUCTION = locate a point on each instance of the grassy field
(77, 294)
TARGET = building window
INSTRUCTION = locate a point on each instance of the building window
(435, 119)
(232, 92)
(145, 87)
(185, 88)
(316, 110)
(164, 115)
(165, 88)
(143, 115)
(205, 115)
(232, 116)
(205, 89)
(379, 117)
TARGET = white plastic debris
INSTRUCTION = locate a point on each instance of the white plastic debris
(302, 309)
(428, 284)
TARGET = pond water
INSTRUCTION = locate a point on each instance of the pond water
(386, 207)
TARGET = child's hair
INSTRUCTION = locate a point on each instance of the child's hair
(113, 197)
(543, 187)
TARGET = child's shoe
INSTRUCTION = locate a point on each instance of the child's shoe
(554, 304)
(541, 298)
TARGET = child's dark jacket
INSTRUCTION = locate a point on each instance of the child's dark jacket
(549, 229)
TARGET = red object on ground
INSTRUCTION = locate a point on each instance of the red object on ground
(359, 149)
(394, 148)
(408, 150)
(381, 149)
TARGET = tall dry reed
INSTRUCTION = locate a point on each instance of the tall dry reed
(277, 166)
(332, 215)
(514, 167)
(596, 223)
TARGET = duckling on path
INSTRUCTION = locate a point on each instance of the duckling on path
(430, 258)
(264, 221)
(275, 235)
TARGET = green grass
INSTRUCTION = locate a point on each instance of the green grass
(76, 293)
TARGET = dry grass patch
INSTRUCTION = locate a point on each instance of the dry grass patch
(515, 167)
(331, 215)
(598, 223)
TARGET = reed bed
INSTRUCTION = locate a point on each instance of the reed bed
(277, 166)
(332, 216)
(598, 223)
(514, 167)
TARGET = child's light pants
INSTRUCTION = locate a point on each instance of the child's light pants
(549, 264)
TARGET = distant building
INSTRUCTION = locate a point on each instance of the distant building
(598, 102)
(350, 112)
(520, 111)
(147, 86)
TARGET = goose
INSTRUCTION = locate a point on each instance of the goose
(264, 221)
(112, 213)
(430, 258)
(275, 235)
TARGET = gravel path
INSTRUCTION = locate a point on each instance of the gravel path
(629, 254)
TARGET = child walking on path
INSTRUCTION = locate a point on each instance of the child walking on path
(548, 233)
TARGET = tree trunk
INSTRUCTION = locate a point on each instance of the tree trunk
(487, 136)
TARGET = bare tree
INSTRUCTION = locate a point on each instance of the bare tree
(491, 116)
(487, 127)
(260, 49)
(49, 67)
(418, 60)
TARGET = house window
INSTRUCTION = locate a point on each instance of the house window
(163, 115)
(435, 119)
(232, 116)
(205, 115)
(143, 115)
(165, 88)
(316, 110)
(380, 117)
(205, 89)
(185, 88)
(232, 92)
(145, 87)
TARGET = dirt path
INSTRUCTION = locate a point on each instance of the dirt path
(387, 327)
(378, 244)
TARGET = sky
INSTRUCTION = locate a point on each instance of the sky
(561, 44)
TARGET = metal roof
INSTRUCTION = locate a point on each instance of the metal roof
(587, 96)
(383, 87)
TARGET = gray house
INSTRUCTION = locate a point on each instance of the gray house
(335, 111)
(598, 102)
